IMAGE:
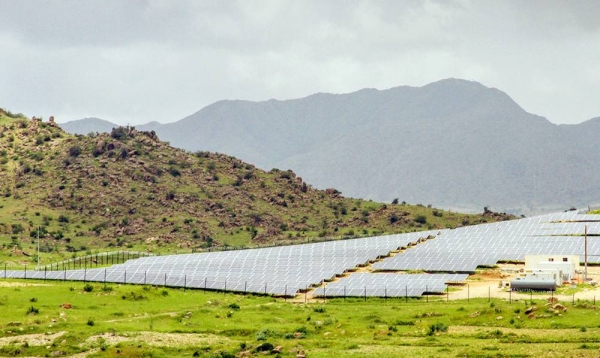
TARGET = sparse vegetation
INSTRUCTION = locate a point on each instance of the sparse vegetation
(187, 323)
(104, 191)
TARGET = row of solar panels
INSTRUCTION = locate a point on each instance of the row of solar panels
(286, 270)
(276, 270)
(388, 285)
(464, 249)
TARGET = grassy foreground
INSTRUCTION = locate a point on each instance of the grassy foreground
(65, 318)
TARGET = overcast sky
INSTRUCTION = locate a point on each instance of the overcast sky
(139, 61)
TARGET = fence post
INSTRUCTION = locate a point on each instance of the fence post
(144, 277)
(406, 293)
(104, 277)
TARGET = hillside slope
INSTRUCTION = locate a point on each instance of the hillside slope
(129, 189)
(452, 143)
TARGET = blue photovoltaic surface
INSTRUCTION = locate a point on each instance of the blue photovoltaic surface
(286, 270)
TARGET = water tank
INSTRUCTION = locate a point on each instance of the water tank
(538, 284)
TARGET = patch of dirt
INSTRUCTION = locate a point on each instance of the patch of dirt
(489, 275)
(39, 339)
(20, 284)
(157, 339)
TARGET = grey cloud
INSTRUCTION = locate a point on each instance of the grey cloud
(136, 61)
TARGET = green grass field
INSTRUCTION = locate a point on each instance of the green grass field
(132, 321)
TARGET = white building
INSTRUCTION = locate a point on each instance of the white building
(566, 264)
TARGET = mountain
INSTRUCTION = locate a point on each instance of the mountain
(88, 125)
(453, 143)
(127, 188)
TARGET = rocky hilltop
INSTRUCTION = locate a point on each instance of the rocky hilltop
(127, 188)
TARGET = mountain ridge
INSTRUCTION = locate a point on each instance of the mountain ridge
(381, 144)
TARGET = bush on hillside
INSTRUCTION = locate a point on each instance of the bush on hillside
(74, 151)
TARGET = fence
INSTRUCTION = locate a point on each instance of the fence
(301, 291)
(94, 260)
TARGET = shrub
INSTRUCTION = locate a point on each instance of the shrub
(63, 219)
(285, 175)
(263, 334)
(319, 309)
(74, 151)
(174, 171)
(421, 219)
(90, 322)
(404, 323)
(265, 347)
(88, 287)
(33, 311)
(437, 327)
(17, 229)
(119, 133)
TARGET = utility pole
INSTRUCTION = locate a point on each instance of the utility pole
(38, 254)
(586, 256)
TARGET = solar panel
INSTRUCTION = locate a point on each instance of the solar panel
(287, 269)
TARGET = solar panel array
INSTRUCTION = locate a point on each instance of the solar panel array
(286, 270)
(277, 270)
(388, 285)
(463, 249)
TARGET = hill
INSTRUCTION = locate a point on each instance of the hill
(453, 143)
(88, 125)
(128, 189)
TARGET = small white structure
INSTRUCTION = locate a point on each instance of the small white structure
(543, 281)
(566, 264)
(546, 272)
